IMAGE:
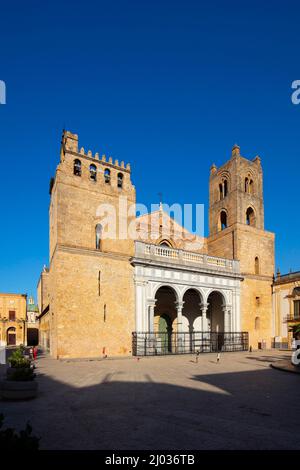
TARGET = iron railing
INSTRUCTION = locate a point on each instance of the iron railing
(163, 343)
(279, 345)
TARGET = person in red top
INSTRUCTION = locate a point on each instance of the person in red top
(35, 353)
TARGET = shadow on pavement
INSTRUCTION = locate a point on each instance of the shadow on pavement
(242, 410)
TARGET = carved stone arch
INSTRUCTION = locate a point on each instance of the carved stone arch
(170, 286)
(197, 289)
(219, 291)
(224, 184)
(222, 220)
(249, 181)
(168, 242)
(225, 175)
(250, 215)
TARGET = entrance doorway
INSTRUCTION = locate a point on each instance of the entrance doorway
(11, 338)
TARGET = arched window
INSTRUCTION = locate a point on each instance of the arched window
(296, 309)
(251, 186)
(223, 220)
(107, 175)
(250, 216)
(221, 191)
(11, 338)
(257, 323)
(77, 167)
(166, 243)
(248, 185)
(93, 172)
(120, 180)
(256, 265)
(98, 236)
(225, 188)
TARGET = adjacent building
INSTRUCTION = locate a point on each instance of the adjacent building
(43, 307)
(13, 319)
(286, 307)
(32, 323)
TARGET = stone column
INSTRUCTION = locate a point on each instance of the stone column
(179, 307)
(204, 307)
(227, 318)
(180, 341)
(150, 309)
(139, 306)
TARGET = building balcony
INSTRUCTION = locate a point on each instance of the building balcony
(290, 318)
(156, 254)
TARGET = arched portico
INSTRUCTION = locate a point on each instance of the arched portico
(178, 301)
(192, 311)
(166, 299)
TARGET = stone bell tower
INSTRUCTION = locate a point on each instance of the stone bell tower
(90, 276)
(236, 225)
(235, 188)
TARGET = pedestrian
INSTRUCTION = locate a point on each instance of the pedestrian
(35, 351)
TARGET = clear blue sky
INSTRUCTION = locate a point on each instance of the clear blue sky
(169, 86)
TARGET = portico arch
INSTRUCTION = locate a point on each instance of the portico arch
(165, 306)
(165, 315)
(191, 313)
(163, 285)
(215, 312)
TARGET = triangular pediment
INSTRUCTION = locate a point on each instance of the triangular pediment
(158, 227)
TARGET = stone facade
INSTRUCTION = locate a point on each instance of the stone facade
(286, 307)
(13, 319)
(101, 287)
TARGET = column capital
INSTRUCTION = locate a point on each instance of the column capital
(151, 302)
(227, 308)
(204, 305)
(140, 282)
(179, 303)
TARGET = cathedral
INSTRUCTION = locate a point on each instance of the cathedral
(162, 290)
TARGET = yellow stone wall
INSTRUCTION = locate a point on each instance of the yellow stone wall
(16, 302)
(43, 291)
(44, 331)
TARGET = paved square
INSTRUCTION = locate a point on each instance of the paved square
(163, 403)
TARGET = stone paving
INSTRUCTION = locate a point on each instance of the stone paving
(163, 403)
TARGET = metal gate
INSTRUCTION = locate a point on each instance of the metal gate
(163, 343)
